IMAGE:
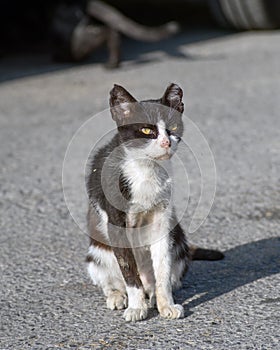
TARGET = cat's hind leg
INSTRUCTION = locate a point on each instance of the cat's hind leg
(105, 273)
(116, 300)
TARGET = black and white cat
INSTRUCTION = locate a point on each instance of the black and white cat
(138, 251)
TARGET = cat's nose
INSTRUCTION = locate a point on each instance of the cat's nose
(165, 143)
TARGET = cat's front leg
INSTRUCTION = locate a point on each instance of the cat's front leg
(161, 257)
(137, 307)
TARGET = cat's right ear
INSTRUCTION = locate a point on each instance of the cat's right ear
(173, 97)
(122, 104)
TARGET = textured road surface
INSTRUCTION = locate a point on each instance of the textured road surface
(232, 88)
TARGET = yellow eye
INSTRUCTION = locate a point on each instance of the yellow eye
(147, 131)
(173, 127)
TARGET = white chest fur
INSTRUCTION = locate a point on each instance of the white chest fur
(144, 178)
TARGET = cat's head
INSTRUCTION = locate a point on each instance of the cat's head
(151, 128)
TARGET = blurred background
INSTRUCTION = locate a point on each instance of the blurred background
(28, 30)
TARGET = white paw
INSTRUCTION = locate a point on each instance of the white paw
(172, 311)
(117, 300)
(133, 315)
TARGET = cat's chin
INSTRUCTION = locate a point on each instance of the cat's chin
(164, 157)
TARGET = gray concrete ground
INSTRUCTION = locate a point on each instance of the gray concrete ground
(232, 89)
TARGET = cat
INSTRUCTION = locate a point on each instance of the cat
(75, 35)
(136, 272)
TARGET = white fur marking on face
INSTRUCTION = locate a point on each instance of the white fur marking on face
(162, 129)
(174, 138)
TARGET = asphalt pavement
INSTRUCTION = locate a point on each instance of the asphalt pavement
(231, 84)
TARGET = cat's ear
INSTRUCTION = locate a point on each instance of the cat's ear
(122, 103)
(173, 97)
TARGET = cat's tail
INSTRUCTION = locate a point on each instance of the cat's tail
(116, 20)
(197, 253)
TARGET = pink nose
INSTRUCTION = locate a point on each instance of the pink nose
(165, 143)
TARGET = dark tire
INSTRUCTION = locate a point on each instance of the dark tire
(246, 14)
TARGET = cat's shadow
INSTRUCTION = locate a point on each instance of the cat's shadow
(242, 265)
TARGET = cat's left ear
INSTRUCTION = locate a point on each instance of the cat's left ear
(173, 97)
(122, 104)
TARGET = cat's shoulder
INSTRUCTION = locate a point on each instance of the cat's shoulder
(96, 162)
(99, 156)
